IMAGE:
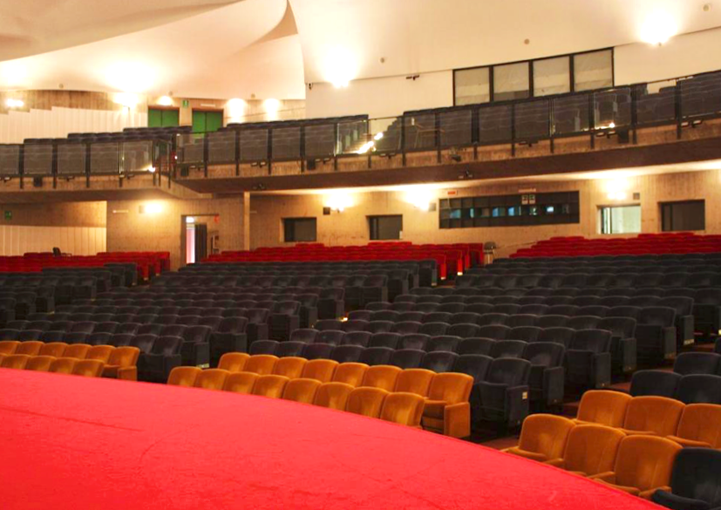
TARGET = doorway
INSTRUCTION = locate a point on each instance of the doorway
(200, 237)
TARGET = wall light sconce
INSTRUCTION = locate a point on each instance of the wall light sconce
(150, 208)
(658, 28)
(14, 103)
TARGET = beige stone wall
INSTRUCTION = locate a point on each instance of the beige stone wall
(55, 214)
(351, 226)
(131, 230)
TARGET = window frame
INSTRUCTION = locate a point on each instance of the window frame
(284, 224)
(601, 209)
(663, 205)
(373, 217)
(572, 85)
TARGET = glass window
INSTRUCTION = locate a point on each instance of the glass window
(472, 86)
(455, 214)
(510, 81)
(551, 76)
(299, 230)
(683, 216)
(385, 227)
(621, 220)
(593, 70)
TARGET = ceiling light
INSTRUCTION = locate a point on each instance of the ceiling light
(130, 77)
(165, 101)
(14, 103)
(658, 28)
(340, 67)
(189, 219)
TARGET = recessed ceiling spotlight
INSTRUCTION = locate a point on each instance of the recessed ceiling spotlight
(526, 42)
(707, 7)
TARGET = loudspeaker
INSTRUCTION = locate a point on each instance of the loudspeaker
(37, 182)
(623, 136)
(310, 164)
(326, 211)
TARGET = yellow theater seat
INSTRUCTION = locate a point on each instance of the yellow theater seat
(403, 409)
(40, 363)
(320, 369)
(543, 437)
(366, 401)
(8, 347)
(100, 353)
(261, 364)
(77, 351)
(211, 379)
(415, 380)
(350, 373)
(17, 361)
(240, 382)
(56, 349)
(290, 367)
(603, 407)
(643, 465)
(31, 347)
(271, 386)
(591, 449)
(233, 361)
(301, 390)
(88, 368)
(183, 376)
(447, 409)
(122, 364)
(700, 426)
(382, 376)
(63, 365)
(653, 416)
(333, 395)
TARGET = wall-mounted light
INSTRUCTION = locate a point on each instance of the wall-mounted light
(658, 28)
(340, 67)
(165, 101)
(617, 189)
(14, 103)
(421, 198)
(150, 208)
(189, 219)
(338, 201)
(127, 100)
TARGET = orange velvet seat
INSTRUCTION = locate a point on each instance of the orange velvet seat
(447, 409)
(183, 376)
(366, 401)
(415, 380)
(8, 347)
(350, 373)
(603, 407)
(240, 382)
(403, 408)
(333, 395)
(100, 353)
(233, 361)
(77, 351)
(543, 437)
(301, 390)
(290, 367)
(261, 364)
(122, 363)
(31, 347)
(88, 368)
(17, 361)
(700, 426)
(591, 449)
(320, 369)
(271, 386)
(63, 365)
(643, 465)
(56, 349)
(382, 376)
(40, 363)
(211, 379)
(653, 416)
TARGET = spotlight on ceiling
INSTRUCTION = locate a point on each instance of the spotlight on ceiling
(658, 28)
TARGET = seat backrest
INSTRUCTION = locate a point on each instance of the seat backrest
(320, 369)
(350, 373)
(40, 363)
(403, 409)
(16, 361)
(592, 449)
(414, 380)
(447, 343)
(56, 349)
(88, 368)
(655, 382)
(645, 462)
(184, 376)
(546, 354)
(509, 371)
(475, 346)
(593, 340)
(240, 382)
(381, 376)
(31, 347)
(301, 390)
(271, 386)
(658, 415)
(439, 361)
(261, 364)
(263, 347)
(657, 316)
(366, 401)
(697, 363)
(559, 335)
(696, 475)
(604, 407)
(508, 349)
(390, 340)
(407, 358)
(212, 379)
(451, 387)
(702, 423)
(333, 395)
(233, 361)
(494, 331)
(545, 434)
(699, 389)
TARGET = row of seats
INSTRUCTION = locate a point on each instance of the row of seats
(693, 424)
(640, 465)
(555, 279)
(691, 388)
(447, 409)
(43, 363)
(118, 362)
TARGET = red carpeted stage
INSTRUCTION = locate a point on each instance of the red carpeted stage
(68, 442)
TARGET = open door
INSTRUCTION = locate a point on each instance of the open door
(201, 241)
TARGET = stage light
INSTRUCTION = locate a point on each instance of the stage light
(658, 28)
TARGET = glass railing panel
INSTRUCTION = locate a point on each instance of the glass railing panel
(532, 120)
(71, 158)
(456, 128)
(570, 114)
(286, 143)
(495, 124)
(38, 159)
(656, 102)
(612, 108)
(320, 140)
(137, 156)
(352, 136)
(700, 95)
(104, 158)
(221, 147)
(253, 145)
(9, 160)
(420, 131)
(190, 148)
(384, 136)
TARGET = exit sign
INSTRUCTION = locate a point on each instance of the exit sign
(186, 103)
(8, 215)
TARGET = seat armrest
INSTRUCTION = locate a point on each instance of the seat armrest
(607, 476)
(649, 493)
(457, 420)
(559, 463)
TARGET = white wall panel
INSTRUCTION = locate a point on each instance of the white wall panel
(58, 122)
(16, 240)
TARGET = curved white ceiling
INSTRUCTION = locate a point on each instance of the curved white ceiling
(230, 48)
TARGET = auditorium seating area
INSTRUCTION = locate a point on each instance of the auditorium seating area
(413, 397)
